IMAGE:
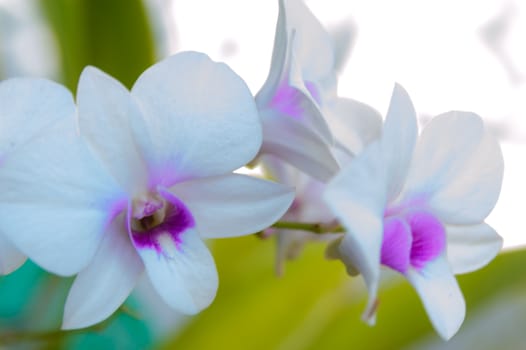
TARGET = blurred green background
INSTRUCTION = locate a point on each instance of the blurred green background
(315, 305)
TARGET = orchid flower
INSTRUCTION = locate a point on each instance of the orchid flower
(307, 207)
(419, 207)
(300, 93)
(356, 127)
(21, 103)
(148, 178)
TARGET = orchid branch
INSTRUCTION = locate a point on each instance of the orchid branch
(318, 228)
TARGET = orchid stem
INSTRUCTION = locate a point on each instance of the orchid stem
(318, 228)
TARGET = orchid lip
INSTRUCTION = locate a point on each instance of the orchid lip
(412, 238)
(156, 217)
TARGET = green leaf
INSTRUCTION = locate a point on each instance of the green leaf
(114, 36)
(316, 306)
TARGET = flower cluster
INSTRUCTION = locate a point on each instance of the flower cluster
(122, 182)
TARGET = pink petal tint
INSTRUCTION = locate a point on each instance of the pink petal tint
(159, 216)
(288, 99)
(412, 238)
(314, 93)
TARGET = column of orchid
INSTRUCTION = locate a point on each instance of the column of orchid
(119, 183)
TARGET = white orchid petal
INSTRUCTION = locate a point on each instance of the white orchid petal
(108, 117)
(308, 207)
(28, 107)
(58, 198)
(233, 205)
(439, 291)
(310, 96)
(277, 65)
(295, 98)
(471, 247)
(309, 195)
(351, 252)
(398, 140)
(10, 257)
(357, 195)
(201, 117)
(106, 282)
(354, 124)
(182, 272)
(295, 85)
(344, 35)
(459, 167)
(314, 47)
(299, 146)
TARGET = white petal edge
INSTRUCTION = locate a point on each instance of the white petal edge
(439, 292)
(357, 196)
(471, 247)
(344, 35)
(353, 123)
(299, 146)
(398, 140)
(277, 64)
(111, 122)
(106, 282)
(10, 257)
(462, 177)
(233, 205)
(201, 116)
(314, 47)
(58, 198)
(312, 112)
(28, 107)
(184, 274)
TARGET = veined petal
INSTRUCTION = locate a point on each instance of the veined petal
(28, 107)
(233, 205)
(201, 117)
(398, 140)
(183, 272)
(10, 257)
(59, 200)
(111, 122)
(439, 291)
(462, 177)
(396, 244)
(106, 282)
(314, 47)
(354, 124)
(357, 195)
(471, 247)
(299, 146)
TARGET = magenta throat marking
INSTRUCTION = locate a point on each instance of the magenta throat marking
(174, 219)
(412, 238)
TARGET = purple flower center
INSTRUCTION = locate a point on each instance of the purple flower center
(412, 238)
(156, 217)
(289, 100)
